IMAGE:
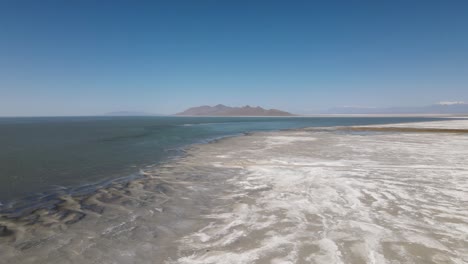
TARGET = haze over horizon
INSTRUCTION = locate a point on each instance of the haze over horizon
(90, 58)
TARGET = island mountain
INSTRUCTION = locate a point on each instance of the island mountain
(222, 110)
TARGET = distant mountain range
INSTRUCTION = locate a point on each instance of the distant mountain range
(129, 113)
(439, 108)
(222, 110)
(446, 107)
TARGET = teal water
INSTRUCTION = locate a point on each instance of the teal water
(40, 156)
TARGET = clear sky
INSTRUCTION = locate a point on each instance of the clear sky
(91, 57)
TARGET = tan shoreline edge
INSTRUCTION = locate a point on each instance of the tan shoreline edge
(405, 129)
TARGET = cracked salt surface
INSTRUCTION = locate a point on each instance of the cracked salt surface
(325, 197)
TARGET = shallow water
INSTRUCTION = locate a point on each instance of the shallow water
(78, 154)
(308, 196)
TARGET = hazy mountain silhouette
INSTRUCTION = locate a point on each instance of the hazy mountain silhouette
(222, 110)
(439, 108)
(129, 113)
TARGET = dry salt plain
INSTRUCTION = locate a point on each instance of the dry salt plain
(300, 196)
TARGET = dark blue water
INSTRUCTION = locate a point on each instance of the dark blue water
(56, 153)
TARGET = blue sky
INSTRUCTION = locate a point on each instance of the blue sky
(92, 57)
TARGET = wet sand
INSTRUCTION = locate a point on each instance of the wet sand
(307, 196)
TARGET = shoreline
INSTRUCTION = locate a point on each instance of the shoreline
(53, 195)
(164, 189)
(107, 183)
(89, 189)
(43, 199)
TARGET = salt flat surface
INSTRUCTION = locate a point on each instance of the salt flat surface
(305, 196)
(449, 124)
(324, 197)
